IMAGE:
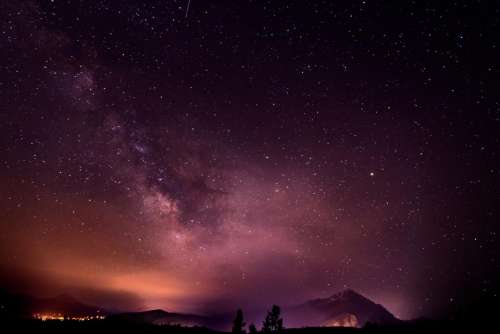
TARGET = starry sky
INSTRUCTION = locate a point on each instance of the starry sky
(243, 153)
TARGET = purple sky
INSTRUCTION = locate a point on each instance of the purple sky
(249, 154)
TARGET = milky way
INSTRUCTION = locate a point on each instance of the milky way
(248, 154)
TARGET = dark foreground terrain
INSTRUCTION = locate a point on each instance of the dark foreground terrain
(111, 326)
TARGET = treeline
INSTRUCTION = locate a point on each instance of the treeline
(272, 324)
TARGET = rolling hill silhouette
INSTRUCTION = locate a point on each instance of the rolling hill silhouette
(161, 317)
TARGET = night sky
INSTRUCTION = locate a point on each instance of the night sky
(244, 153)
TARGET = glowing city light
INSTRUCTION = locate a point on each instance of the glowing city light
(61, 317)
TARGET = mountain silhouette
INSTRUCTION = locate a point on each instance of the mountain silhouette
(65, 304)
(161, 317)
(20, 305)
(345, 309)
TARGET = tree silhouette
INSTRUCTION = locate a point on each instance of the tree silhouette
(238, 323)
(273, 322)
(252, 329)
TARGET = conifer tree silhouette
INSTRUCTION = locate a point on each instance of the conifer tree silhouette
(273, 323)
(252, 329)
(238, 323)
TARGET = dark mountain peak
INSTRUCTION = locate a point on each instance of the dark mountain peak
(345, 308)
(347, 294)
(158, 310)
(344, 296)
(155, 312)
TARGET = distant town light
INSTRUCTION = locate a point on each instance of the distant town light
(61, 317)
